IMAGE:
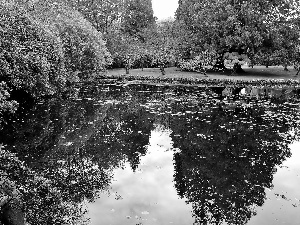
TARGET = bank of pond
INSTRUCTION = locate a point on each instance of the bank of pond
(137, 152)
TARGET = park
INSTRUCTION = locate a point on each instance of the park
(110, 115)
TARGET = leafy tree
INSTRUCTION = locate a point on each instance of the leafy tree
(45, 45)
(137, 16)
(103, 14)
(67, 148)
(30, 193)
(28, 59)
(235, 26)
(129, 52)
(225, 161)
(161, 44)
(6, 105)
(127, 41)
(200, 63)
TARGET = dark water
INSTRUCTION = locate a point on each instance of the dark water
(146, 154)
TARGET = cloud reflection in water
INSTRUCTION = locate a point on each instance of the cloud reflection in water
(283, 201)
(147, 196)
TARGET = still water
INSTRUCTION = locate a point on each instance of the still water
(150, 154)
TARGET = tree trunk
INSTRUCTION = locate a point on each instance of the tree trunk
(11, 207)
(127, 64)
(237, 68)
(142, 64)
(285, 67)
(127, 69)
(162, 69)
(219, 65)
(12, 213)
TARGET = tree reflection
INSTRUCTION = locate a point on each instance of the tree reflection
(41, 199)
(227, 159)
(227, 155)
(69, 149)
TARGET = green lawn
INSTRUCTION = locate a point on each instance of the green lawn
(258, 72)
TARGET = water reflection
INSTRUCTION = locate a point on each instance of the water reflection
(218, 153)
(147, 196)
(283, 201)
(226, 164)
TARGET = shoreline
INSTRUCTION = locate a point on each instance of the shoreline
(259, 76)
(258, 73)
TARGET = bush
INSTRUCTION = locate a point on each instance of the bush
(235, 58)
(200, 63)
(6, 105)
(192, 65)
(27, 58)
(45, 45)
(37, 194)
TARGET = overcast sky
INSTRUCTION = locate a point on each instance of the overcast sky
(164, 8)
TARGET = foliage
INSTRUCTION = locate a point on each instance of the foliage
(137, 16)
(6, 105)
(70, 146)
(199, 63)
(225, 162)
(37, 193)
(161, 42)
(133, 38)
(128, 52)
(28, 59)
(45, 45)
(235, 58)
(104, 15)
(127, 25)
(241, 26)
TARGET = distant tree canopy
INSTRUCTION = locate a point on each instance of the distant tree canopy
(138, 15)
(105, 15)
(125, 25)
(253, 27)
(49, 44)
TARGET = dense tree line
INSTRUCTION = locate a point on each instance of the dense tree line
(47, 45)
(267, 32)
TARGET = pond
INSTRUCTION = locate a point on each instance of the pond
(158, 154)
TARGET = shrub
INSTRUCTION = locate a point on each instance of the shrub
(199, 63)
(6, 105)
(192, 65)
(38, 194)
(47, 44)
(27, 57)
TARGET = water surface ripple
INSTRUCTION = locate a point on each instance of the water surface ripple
(157, 154)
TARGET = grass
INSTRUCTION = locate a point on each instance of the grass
(256, 73)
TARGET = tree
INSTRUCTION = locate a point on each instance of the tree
(225, 163)
(235, 26)
(201, 63)
(30, 191)
(127, 51)
(123, 24)
(46, 45)
(6, 104)
(137, 16)
(103, 14)
(161, 43)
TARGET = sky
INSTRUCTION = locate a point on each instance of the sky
(164, 9)
(146, 195)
